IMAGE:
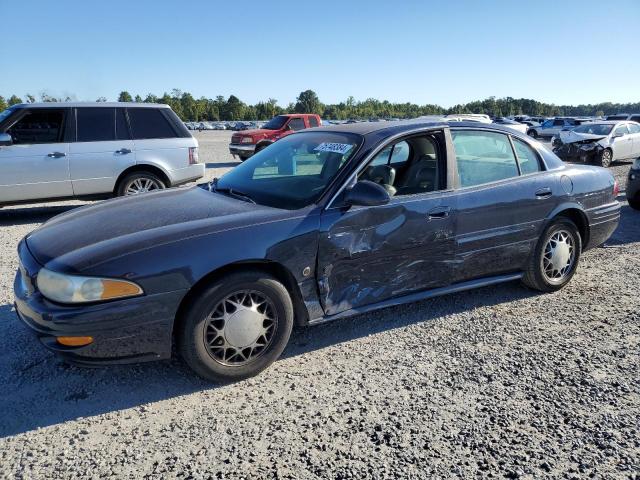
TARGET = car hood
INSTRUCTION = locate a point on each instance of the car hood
(569, 136)
(91, 235)
(258, 132)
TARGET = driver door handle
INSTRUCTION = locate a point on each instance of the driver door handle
(123, 151)
(438, 213)
(57, 154)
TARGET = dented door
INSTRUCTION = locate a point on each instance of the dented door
(370, 254)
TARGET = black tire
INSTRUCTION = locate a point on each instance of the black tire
(242, 158)
(532, 133)
(606, 158)
(633, 203)
(196, 327)
(142, 178)
(534, 275)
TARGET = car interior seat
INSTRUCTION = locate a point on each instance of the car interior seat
(383, 175)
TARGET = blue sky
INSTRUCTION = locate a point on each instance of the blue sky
(443, 52)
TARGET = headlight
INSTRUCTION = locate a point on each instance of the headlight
(247, 140)
(75, 289)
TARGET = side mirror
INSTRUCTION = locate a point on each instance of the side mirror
(5, 140)
(618, 135)
(367, 194)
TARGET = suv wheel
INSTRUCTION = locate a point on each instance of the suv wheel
(555, 258)
(606, 158)
(139, 182)
(532, 133)
(236, 327)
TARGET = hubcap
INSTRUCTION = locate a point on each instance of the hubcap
(240, 327)
(606, 157)
(141, 185)
(558, 256)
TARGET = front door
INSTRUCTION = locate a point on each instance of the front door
(102, 151)
(371, 254)
(36, 166)
(622, 142)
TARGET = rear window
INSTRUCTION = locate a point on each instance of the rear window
(147, 123)
(96, 124)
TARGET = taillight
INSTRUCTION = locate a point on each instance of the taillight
(193, 156)
(616, 189)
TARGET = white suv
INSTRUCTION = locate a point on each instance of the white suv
(51, 151)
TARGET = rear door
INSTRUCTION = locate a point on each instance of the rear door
(502, 201)
(103, 149)
(634, 132)
(371, 254)
(622, 142)
(36, 166)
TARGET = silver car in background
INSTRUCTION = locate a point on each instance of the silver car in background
(52, 151)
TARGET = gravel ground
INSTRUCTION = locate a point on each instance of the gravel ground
(498, 382)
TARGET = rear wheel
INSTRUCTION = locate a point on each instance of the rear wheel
(242, 157)
(556, 256)
(139, 182)
(532, 133)
(606, 157)
(236, 327)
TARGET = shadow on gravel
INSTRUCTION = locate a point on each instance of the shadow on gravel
(26, 215)
(40, 390)
(628, 230)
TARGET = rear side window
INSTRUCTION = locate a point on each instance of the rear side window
(634, 128)
(558, 122)
(296, 124)
(96, 124)
(527, 157)
(149, 123)
(621, 130)
(313, 122)
(483, 157)
(45, 125)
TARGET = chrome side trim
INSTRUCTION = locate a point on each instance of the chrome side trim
(414, 297)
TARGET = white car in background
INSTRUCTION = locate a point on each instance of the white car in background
(599, 142)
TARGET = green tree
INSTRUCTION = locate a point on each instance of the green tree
(14, 100)
(233, 109)
(138, 98)
(3, 104)
(125, 97)
(30, 98)
(101, 99)
(151, 98)
(308, 102)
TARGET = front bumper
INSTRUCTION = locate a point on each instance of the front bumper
(124, 331)
(633, 185)
(578, 152)
(241, 150)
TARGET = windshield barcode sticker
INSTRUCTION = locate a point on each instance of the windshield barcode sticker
(340, 148)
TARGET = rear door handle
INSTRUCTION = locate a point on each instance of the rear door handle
(544, 192)
(123, 151)
(438, 213)
(57, 154)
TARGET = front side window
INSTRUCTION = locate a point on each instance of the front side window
(557, 123)
(547, 123)
(313, 122)
(408, 167)
(276, 123)
(483, 157)
(43, 125)
(527, 157)
(621, 130)
(296, 124)
(294, 171)
(148, 123)
(96, 124)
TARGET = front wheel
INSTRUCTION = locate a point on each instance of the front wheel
(555, 258)
(236, 327)
(532, 134)
(606, 158)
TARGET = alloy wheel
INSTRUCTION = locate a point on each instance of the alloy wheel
(240, 328)
(606, 158)
(142, 185)
(558, 257)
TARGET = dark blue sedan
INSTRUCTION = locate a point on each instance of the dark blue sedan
(323, 224)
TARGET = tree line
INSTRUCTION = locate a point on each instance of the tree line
(189, 108)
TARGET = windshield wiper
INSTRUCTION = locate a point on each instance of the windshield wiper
(213, 187)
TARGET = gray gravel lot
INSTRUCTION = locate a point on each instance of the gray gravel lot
(498, 382)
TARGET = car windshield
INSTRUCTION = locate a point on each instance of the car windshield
(276, 123)
(594, 128)
(294, 171)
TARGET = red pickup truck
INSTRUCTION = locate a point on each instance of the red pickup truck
(246, 143)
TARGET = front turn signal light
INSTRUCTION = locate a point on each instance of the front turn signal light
(74, 341)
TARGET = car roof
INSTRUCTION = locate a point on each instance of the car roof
(90, 104)
(394, 128)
